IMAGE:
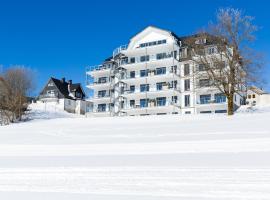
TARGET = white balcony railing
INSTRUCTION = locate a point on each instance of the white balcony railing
(119, 49)
(151, 104)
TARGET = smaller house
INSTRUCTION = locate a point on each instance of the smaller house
(67, 95)
(257, 96)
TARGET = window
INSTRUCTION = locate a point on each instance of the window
(161, 101)
(187, 85)
(249, 96)
(187, 112)
(102, 93)
(144, 87)
(132, 103)
(187, 100)
(144, 58)
(173, 69)
(204, 83)
(211, 50)
(186, 70)
(50, 84)
(206, 112)
(202, 67)
(102, 80)
(101, 107)
(143, 103)
(144, 73)
(253, 96)
(132, 74)
(153, 43)
(220, 98)
(174, 99)
(161, 70)
(132, 88)
(160, 85)
(51, 92)
(205, 99)
(220, 111)
(132, 60)
(160, 56)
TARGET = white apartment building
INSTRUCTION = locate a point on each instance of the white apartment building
(152, 75)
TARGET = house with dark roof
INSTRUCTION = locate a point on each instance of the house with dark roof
(68, 95)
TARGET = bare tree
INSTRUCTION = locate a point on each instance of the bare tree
(17, 83)
(224, 54)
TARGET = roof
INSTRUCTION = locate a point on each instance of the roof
(257, 90)
(63, 87)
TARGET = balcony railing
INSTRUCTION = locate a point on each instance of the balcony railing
(151, 90)
(152, 103)
(45, 96)
(97, 68)
(101, 96)
(151, 59)
(119, 49)
(151, 74)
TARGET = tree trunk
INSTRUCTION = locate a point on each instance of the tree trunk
(230, 104)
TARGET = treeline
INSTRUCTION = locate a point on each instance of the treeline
(16, 83)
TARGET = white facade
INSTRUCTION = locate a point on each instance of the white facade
(150, 75)
(257, 97)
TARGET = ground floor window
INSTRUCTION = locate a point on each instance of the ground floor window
(187, 100)
(132, 103)
(220, 111)
(161, 113)
(205, 99)
(143, 103)
(220, 98)
(101, 107)
(174, 99)
(161, 101)
(205, 112)
(187, 112)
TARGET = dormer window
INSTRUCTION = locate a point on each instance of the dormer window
(200, 41)
(153, 43)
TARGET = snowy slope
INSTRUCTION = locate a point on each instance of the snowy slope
(157, 157)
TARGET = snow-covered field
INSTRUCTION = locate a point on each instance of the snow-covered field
(204, 157)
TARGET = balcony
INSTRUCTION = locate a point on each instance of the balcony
(151, 93)
(120, 49)
(49, 96)
(101, 98)
(152, 62)
(152, 108)
(98, 83)
(152, 76)
(98, 70)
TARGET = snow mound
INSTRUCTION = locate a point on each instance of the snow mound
(253, 109)
(47, 111)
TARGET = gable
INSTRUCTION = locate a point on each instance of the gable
(150, 34)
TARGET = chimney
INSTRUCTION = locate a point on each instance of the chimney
(69, 85)
(63, 80)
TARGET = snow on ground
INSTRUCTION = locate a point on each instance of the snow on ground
(195, 157)
(50, 110)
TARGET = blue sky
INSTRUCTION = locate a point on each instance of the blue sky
(61, 38)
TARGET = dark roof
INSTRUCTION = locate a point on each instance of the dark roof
(63, 87)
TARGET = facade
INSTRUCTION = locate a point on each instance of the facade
(65, 95)
(152, 75)
(256, 96)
